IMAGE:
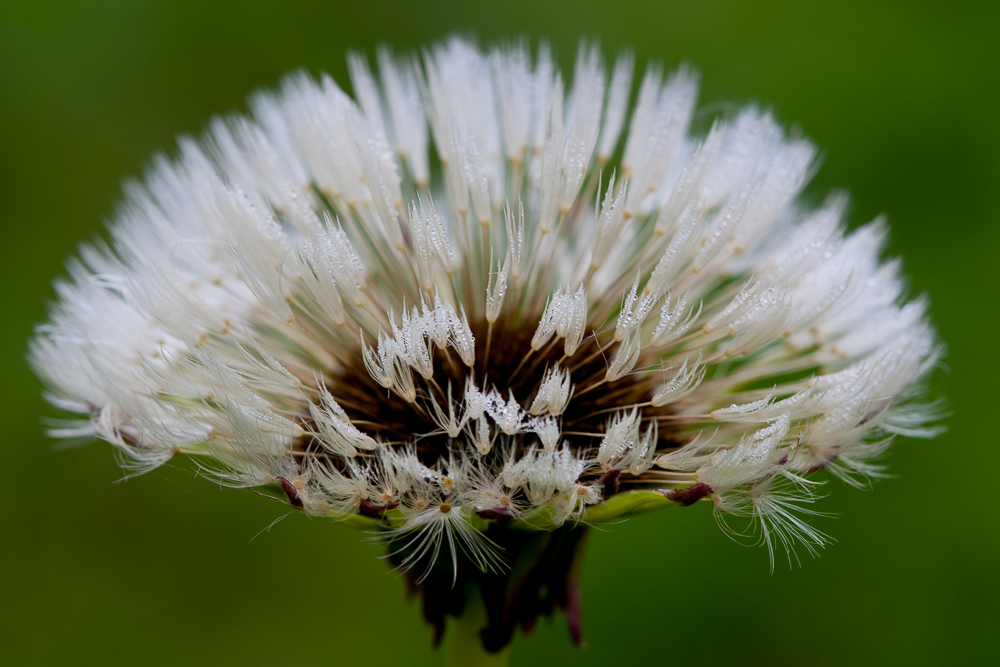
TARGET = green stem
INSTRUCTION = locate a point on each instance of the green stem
(464, 646)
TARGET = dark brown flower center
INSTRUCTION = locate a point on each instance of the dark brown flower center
(512, 368)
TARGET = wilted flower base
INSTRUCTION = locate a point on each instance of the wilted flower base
(544, 576)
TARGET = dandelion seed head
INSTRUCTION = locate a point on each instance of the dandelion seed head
(509, 338)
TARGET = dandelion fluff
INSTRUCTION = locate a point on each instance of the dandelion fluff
(457, 352)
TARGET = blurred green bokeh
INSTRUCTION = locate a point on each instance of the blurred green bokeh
(902, 97)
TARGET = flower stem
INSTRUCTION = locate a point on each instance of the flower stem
(465, 648)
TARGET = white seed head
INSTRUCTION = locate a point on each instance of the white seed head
(303, 301)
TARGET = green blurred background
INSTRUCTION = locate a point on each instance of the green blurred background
(161, 570)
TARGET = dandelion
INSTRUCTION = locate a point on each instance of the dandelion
(576, 311)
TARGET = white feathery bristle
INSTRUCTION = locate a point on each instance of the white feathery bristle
(554, 392)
